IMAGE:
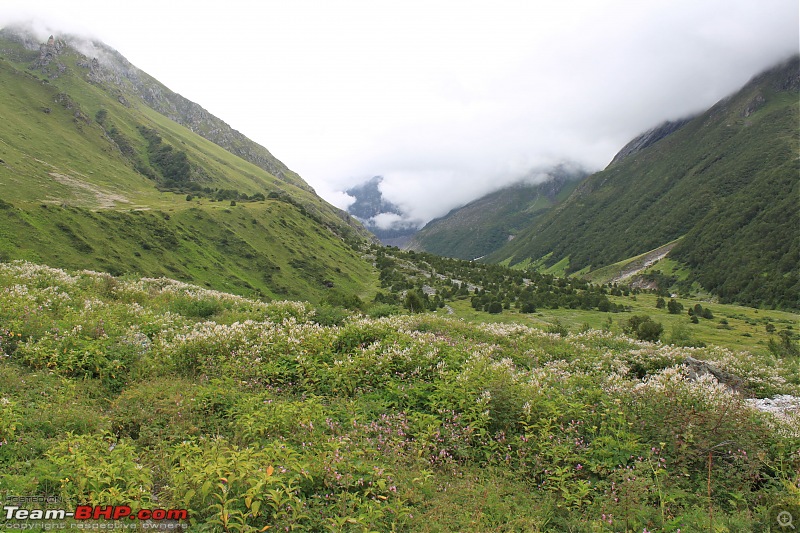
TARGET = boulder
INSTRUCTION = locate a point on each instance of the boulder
(698, 368)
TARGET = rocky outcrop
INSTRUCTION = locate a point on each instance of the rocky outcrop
(370, 203)
(48, 62)
(369, 200)
(648, 138)
(68, 103)
(753, 105)
(637, 265)
(698, 369)
(781, 405)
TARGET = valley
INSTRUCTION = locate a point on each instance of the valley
(185, 324)
(717, 188)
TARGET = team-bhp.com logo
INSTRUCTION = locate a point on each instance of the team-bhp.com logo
(85, 516)
(96, 512)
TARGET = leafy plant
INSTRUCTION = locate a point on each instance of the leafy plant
(233, 489)
(99, 469)
(644, 328)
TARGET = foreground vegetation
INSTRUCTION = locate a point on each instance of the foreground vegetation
(155, 393)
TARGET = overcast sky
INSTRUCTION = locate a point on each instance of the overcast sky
(447, 100)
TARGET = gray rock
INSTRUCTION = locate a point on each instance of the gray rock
(780, 405)
(698, 369)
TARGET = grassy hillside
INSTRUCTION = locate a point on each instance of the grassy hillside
(726, 180)
(480, 292)
(157, 394)
(486, 224)
(94, 177)
(264, 249)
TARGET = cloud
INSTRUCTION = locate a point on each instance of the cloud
(393, 221)
(338, 198)
(447, 100)
(577, 92)
(45, 18)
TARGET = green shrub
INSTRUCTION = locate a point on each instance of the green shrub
(414, 302)
(75, 355)
(259, 415)
(100, 470)
(265, 418)
(644, 328)
(674, 307)
(558, 328)
(157, 412)
(383, 310)
(9, 420)
(195, 307)
(241, 489)
(328, 315)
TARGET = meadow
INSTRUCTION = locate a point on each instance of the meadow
(259, 416)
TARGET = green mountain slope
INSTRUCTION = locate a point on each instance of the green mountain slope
(102, 167)
(486, 224)
(726, 181)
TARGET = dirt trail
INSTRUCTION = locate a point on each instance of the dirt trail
(105, 199)
(636, 266)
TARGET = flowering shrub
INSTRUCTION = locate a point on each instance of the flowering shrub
(254, 414)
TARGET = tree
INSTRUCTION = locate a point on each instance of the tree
(660, 303)
(650, 330)
(414, 302)
(644, 328)
(495, 308)
(101, 116)
(674, 307)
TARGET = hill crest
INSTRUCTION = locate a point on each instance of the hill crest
(108, 68)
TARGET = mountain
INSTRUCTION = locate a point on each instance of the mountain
(103, 167)
(370, 201)
(381, 217)
(722, 187)
(649, 137)
(486, 224)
